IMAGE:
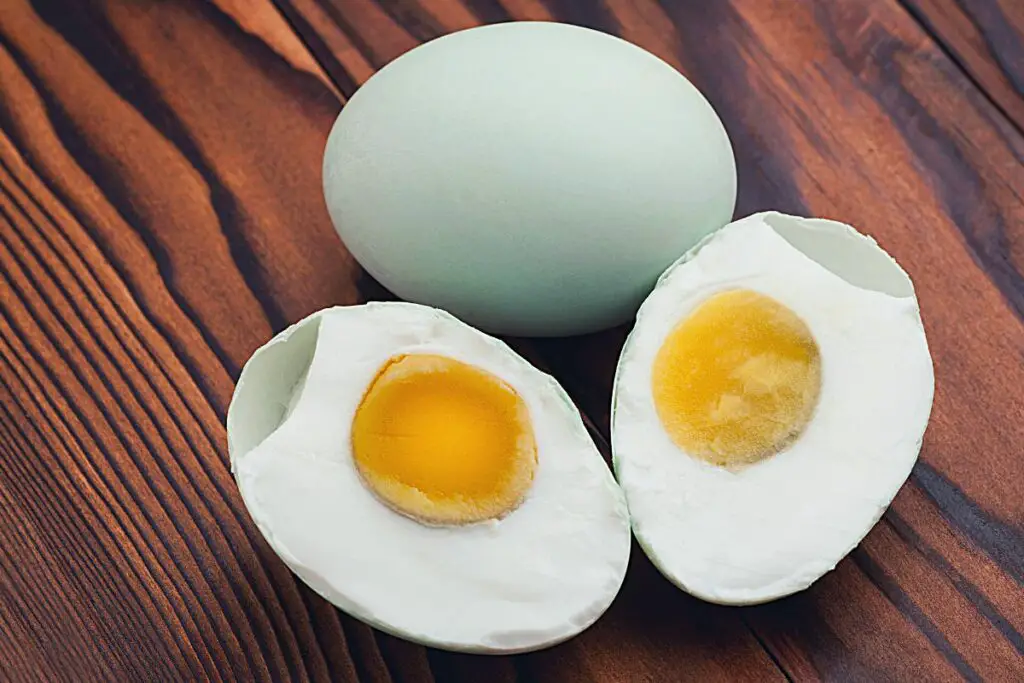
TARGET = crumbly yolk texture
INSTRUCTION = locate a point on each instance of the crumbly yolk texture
(444, 442)
(738, 380)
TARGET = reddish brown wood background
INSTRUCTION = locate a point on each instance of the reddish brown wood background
(160, 217)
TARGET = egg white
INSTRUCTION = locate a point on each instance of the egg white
(772, 528)
(536, 577)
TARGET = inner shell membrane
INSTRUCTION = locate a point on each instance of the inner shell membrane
(443, 442)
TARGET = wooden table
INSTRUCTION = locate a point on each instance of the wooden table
(161, 216)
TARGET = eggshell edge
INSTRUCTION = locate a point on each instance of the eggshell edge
(842, 231)
(236, 425)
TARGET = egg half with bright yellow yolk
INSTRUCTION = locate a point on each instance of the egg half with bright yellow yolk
(768, 404)
(426, 479)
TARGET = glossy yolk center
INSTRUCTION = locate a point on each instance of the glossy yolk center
(738, 380)
(443, 442)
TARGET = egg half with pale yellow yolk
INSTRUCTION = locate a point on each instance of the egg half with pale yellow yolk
(768, 404)
(426, 479)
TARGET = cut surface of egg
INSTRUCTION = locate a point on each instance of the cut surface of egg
(768, 404)
(538, 186)
(426, 479)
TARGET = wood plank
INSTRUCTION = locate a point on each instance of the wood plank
(848, 110)
(160, 217)
(986, 38)
(125, 214)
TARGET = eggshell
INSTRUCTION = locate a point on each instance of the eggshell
(531, 579)
(267, 384)
(532, 178)
(757, 533)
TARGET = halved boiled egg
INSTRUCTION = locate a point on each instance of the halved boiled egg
(426, 479)
(769, 403)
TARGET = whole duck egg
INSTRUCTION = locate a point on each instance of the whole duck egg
(531, 178)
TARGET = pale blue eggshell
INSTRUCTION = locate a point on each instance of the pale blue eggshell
(531, 178)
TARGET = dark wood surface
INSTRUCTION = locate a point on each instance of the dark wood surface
(161, 216)
(986, 39)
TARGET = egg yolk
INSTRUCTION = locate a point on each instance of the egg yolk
(738, 380)
(443, 442)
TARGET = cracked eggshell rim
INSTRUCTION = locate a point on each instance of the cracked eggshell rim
(844, 268)
(262, 399)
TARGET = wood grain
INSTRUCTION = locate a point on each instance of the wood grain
(161, 216)
(850, 110)
(156, 166)
(142, 255)
(986, 38)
